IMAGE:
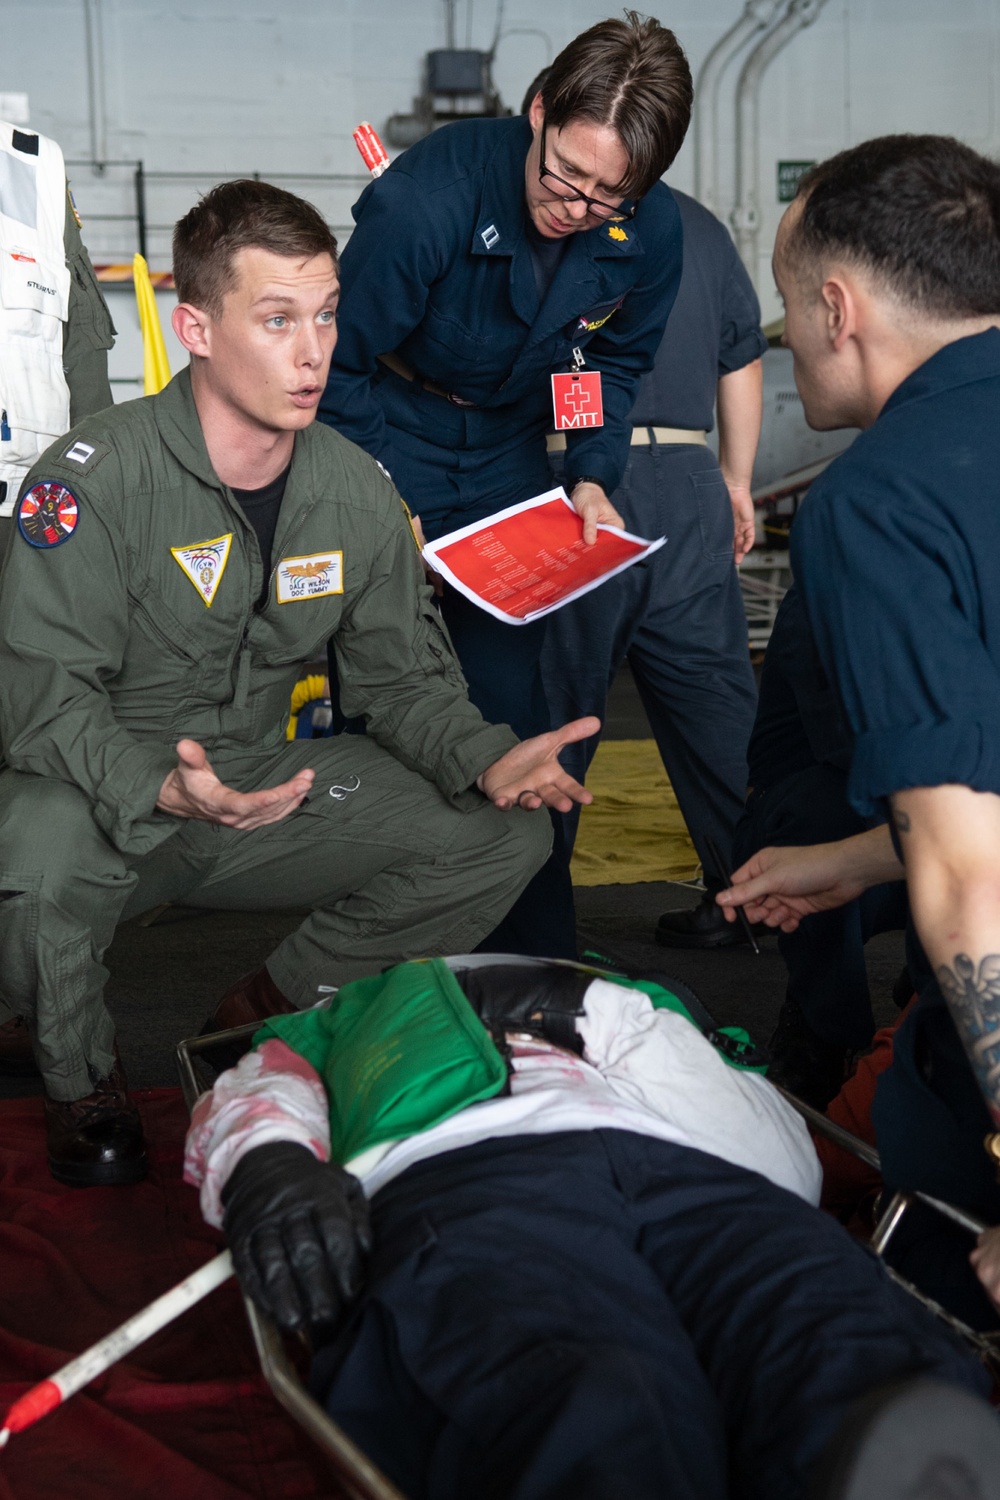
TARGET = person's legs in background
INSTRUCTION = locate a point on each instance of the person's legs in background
(679, 620)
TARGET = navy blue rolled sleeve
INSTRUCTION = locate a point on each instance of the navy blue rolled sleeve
(896, 553)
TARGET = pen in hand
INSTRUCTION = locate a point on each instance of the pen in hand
(741, 915)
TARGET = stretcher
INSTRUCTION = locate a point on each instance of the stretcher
(280, 1360)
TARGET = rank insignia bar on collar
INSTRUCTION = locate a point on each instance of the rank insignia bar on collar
(47, 515)
(204, 564)
(614, 233)
(490, 236)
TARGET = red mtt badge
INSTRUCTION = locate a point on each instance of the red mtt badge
(576, 400)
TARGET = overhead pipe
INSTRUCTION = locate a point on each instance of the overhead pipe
(746, 215)
(757, 16)
(94, 31)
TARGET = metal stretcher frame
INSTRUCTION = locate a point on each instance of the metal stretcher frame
(360, 1477)
(987, 1345)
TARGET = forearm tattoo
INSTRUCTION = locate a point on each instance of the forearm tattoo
(974, 1000)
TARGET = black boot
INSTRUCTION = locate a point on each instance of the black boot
(96, 1141)
(701, 926)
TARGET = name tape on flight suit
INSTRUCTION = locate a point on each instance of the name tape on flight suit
(310, 577)
(47, 514)
(204, 564)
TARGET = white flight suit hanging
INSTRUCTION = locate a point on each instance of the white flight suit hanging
(34, 303)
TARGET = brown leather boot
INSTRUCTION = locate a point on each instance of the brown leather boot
(16, 1056)
(96, 1141)
(255, 997)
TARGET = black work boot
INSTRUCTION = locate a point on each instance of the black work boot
(701, 926)
(96, 1141)
(16, 1056)
(802, 1062)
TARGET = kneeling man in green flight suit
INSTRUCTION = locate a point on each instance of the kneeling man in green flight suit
(179, 559)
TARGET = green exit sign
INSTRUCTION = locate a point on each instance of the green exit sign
(790, 174)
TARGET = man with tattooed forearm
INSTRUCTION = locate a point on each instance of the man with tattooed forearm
(888, 262)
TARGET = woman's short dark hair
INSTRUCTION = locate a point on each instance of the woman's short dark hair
(236, 216)
(633, 76)
(921, 213)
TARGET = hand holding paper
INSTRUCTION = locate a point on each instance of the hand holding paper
(532, 558)
(595, 509)
(530, 775)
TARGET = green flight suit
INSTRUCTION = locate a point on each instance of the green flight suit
(89, 332)
(141, 628)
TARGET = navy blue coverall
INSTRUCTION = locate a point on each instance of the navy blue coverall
(895, 551)
(439, 272)
(598, 1314)
(678, 618)
(799, 758)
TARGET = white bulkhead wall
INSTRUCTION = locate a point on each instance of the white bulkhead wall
(219, 87)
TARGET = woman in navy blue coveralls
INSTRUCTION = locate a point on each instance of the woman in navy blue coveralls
(481, 260)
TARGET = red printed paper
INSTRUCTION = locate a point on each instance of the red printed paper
(531, 559)
(577, 400)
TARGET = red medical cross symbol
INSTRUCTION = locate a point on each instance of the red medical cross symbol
(577, 397)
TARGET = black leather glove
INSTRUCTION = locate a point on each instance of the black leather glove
(542, 999)
(299, 1234)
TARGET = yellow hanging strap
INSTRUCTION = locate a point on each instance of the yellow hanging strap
(306, 690)
(155, 366)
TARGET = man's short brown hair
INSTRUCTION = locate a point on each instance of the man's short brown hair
(241, 215)
(633, 76)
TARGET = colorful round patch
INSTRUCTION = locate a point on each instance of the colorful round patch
(48, 514)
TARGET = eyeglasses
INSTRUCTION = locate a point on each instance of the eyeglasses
(596, 206)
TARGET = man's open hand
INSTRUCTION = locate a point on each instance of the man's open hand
(593, 506)
(193, 790)
(530, 775)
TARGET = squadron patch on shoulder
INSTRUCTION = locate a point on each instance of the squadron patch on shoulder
(310, 577)
(47, 514)
(204, 564)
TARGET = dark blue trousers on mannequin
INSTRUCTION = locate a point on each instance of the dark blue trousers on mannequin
(599, 1315)
(825, 956)
(680, 622)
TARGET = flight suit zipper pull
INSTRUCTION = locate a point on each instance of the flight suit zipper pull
(242, 674)
(4, 428)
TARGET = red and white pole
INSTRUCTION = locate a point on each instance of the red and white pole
(373, 153)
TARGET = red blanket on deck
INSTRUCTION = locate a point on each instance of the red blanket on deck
(189, 1414)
